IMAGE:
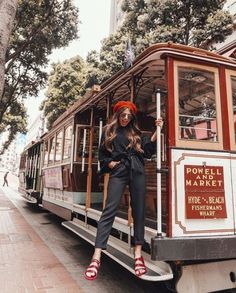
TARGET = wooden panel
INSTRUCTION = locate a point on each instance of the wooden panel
(79, 179)
(58, 210)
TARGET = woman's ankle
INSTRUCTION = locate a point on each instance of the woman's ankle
(138, 251)
(96, 258)
(97, 255)
(137, 255)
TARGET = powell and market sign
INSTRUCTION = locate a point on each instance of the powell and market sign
(204, 192)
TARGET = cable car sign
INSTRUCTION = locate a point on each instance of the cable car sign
(204, 192)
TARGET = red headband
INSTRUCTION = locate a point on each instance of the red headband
(125, 104)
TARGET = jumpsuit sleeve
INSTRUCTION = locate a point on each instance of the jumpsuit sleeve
(148, 146)
(104, 156)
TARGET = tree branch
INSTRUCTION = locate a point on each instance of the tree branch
(34, 33)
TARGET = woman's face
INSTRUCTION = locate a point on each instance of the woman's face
(125, 117)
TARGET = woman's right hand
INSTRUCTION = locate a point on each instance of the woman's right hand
(112, 164)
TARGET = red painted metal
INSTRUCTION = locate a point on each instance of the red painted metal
(224, 108)
(170, 132)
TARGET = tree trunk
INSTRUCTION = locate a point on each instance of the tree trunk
(7, 15)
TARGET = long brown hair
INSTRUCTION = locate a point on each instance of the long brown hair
(133, 131)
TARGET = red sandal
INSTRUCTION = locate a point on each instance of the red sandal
(92, 269)
(139, 266)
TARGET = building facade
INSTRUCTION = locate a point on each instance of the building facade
(116, 15)
(10, 159)
(228, 47)
(36, 129)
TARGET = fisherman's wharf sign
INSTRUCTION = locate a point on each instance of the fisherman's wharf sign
(204, 192)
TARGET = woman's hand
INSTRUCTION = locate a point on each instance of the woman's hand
(112, 164)
(159, 122)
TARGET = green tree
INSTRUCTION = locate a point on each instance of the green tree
(95, 73)
(112, 52)
(7, 16)
(66, 84)
(39, 27)
(13, 122)
(189, 22)
(192, 22)
(197, 23)
(68, 81)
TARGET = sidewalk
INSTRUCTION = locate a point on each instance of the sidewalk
(27, 265)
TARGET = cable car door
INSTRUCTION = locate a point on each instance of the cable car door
(86, 177)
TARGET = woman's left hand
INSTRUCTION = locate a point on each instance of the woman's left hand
(159, 122)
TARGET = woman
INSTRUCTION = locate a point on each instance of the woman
(122, 151)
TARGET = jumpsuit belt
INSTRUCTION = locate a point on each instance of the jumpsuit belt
(134, 164)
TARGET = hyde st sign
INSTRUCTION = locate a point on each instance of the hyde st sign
(204, 192)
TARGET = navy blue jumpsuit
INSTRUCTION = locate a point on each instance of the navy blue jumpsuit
(129, 172)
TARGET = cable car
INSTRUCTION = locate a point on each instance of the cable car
(30, 183)
(190, 227)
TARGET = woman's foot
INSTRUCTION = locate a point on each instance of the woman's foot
(92, 271)
(139, 266)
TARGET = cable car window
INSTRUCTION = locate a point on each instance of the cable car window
(95, 143)
(22, 162)
(58, 153)
(67, 142)
(233, 89)
(83, 144)
(51, 149)
(45, 161)
(197, 104)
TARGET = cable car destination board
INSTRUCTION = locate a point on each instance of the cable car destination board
(204, 192)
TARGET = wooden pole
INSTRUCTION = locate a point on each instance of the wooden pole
(106, 179)
(90, 161)
(90, 170)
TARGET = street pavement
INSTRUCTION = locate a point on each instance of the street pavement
(47, 257)
(26, 262)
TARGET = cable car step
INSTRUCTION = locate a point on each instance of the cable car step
(120, 252)
(194, 248)
(29, 199)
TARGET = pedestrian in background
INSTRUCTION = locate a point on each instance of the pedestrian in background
(121, 153)
(5, 179)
